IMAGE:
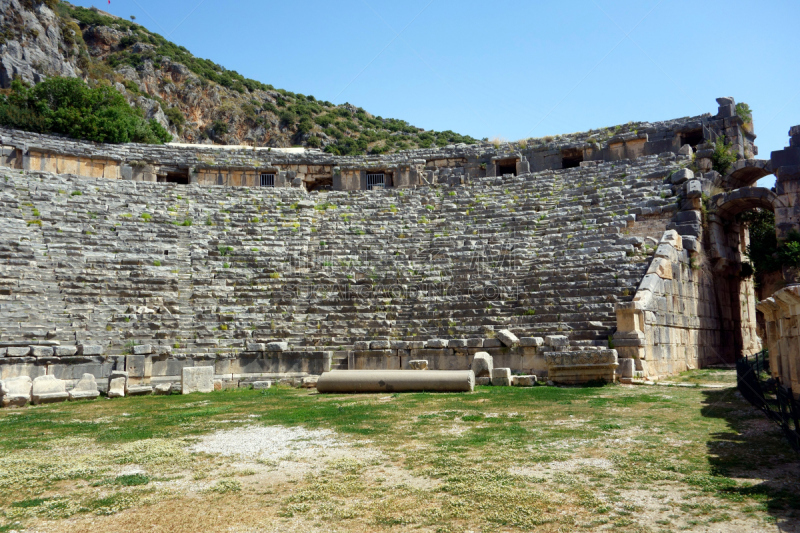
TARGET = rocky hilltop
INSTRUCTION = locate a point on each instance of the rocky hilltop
(197, 100)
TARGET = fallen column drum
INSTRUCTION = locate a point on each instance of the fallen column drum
(396, 381)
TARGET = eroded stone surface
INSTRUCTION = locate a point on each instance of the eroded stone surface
(197, 379)
(86, 388)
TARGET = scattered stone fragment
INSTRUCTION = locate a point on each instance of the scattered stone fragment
(162, 388)
(48, 389)
(501, 377)
(418, 364)
(197, 379)
(116, 387)
(507, 338)
(15, 392)
(524, 381)
(85, 389)
(482, 365)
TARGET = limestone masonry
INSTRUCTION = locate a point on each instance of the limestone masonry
(135, 269)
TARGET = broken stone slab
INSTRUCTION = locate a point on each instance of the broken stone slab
(48, 389)
(65, 351)
(260, 385)
(118, 374)
(90, 349)
(492, 343)
(379, 345)
(197, 379)
(531, 342)
(507, 338)
(627, 367)
(501, 377)
(437, 343)
(18, 351)
(309, 382)
(524, 381)
(15, 392)
(85, 389)
(482, 365)
(116, 387)
(418, 364)
(139, 390)
(143, 349)
(277, 346)
(256, 347)
(475, 342)
(485, 380)
(162, 388)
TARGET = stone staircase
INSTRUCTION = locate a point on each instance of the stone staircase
(203, 270)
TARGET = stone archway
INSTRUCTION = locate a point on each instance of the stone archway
(730, 204)
(729, 241)
(746, 172)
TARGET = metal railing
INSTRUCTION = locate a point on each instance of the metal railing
(768, 395)
(375, 181)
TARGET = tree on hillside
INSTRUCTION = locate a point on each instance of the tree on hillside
(70, 107)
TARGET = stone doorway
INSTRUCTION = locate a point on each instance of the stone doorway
(507, 166)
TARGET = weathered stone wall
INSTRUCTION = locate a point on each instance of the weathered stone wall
(206, 274)
(684, 315)
(781, 311)
(451, 165)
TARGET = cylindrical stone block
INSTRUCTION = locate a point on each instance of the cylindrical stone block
(396, 381)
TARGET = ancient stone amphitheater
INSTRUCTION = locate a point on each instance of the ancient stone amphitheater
(607, 255)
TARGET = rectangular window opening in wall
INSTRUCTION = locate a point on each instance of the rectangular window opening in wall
(508, 166)
(376, 181)
(692, 138)
(181, 178)
(571, 158)
(267, 180)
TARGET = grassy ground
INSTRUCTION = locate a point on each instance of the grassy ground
(619, 458)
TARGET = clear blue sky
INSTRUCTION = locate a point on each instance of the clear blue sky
(506, 69)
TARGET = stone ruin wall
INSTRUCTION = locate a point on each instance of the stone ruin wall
(312, 169)
(664, 323)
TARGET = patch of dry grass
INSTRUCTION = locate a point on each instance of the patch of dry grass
(501, 459)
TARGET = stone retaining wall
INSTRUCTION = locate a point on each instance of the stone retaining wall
(312, 169)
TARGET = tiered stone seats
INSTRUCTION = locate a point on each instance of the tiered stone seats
(205, 269)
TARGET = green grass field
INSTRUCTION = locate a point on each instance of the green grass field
(644, 458)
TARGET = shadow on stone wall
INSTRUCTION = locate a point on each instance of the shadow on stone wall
(752, 448)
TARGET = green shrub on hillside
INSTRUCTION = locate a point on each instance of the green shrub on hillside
(70, 107)
(351, 129)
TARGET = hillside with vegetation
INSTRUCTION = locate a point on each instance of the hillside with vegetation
(194, 99)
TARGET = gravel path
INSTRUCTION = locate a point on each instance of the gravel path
(270, 442)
